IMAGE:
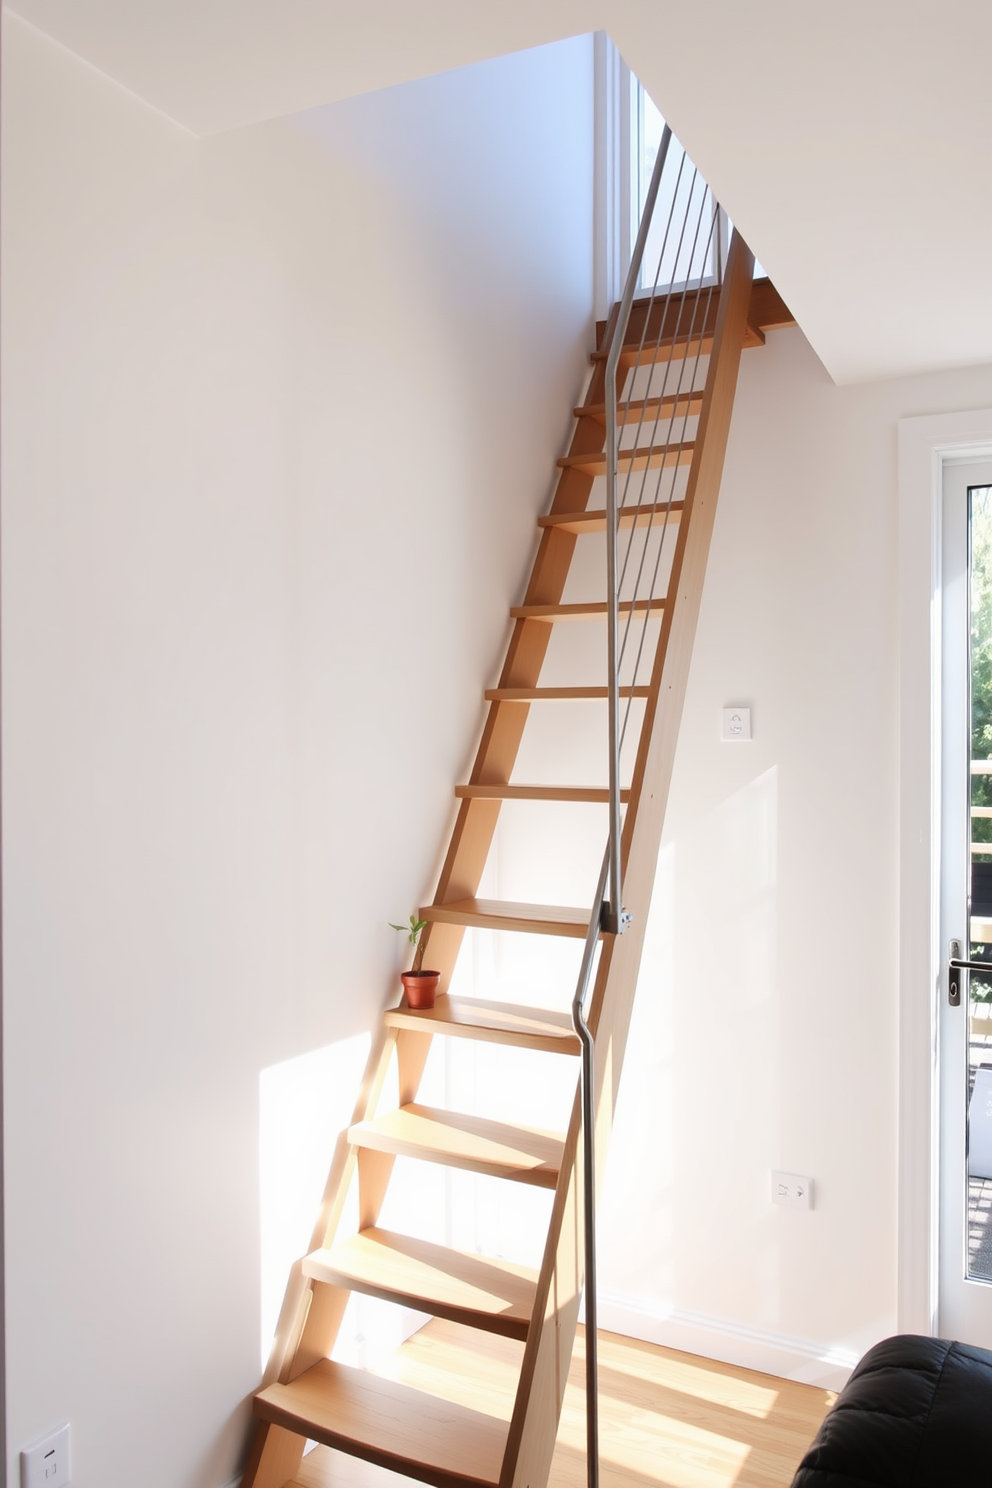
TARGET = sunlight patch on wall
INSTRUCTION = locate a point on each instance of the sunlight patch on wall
(303, 1105)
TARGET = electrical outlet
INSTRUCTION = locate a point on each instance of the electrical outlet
(793, 1189)
(46, 1464)
(735, 723)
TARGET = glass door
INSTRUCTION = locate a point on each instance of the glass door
(965, 1015)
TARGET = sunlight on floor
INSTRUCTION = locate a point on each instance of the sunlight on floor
(667, 1420)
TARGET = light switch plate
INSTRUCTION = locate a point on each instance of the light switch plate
(46, 1464)
(735, 723)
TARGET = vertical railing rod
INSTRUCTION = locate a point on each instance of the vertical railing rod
(608, 913)
(613, 919)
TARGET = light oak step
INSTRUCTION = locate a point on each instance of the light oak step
(671, 349)
(406, 1430)
(651, 514)
(647, 410)
(557, 694)
(456, 1140)
(586, 795)
(491, 1022)
(454, 1284)
(697, 310)
(595, 610)
(504, 914)
(653, 457)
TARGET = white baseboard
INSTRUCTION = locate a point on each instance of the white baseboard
(732, 1343)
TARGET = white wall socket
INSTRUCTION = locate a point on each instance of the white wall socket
(46, 1464)
(793, 1189)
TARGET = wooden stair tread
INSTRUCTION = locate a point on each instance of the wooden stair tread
(557, 694)
(589, 610)
(389, 1424)
(653, 514)
(585, 794)
(491, 1022)
(457, 1140)
(455, 1284)
(504, 914)
(669, 349)
(651, 457)
(766, 311)
(645, 410)
(673, 348)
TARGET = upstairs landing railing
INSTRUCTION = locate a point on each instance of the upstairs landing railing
(681, 235)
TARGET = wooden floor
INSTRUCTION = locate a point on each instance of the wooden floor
(667, 1420)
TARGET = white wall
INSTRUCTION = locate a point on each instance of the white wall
(765, 1030)
(279, 409)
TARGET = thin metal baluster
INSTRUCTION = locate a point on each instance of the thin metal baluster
(628, 628)
(651, 301)
(614, 915)
(657, 563)
(664, 528)
(670, 296)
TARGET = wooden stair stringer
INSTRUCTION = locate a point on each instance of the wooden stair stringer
(534, 1424)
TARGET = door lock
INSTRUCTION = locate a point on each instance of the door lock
(954, 974)
(955, 966)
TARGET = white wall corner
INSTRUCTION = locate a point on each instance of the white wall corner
(823, 1365)
(924, 444)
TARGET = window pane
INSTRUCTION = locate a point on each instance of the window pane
(980, 986)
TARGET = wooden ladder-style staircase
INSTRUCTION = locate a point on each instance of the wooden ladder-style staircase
(432, 1437)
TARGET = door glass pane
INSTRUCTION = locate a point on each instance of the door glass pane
(979, 1087)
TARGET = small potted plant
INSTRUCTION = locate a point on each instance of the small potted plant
(420, 986)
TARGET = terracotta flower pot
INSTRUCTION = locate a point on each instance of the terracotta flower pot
(421, 987)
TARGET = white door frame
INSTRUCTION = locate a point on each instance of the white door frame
(924, 445)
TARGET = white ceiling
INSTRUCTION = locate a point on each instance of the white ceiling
(850, 141)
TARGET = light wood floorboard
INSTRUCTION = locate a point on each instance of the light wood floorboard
(667, 1419)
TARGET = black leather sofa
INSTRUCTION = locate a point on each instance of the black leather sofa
(916, 1413)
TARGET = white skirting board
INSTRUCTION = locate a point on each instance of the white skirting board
(824, 1365)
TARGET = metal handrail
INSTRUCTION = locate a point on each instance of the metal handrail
(608, 914)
